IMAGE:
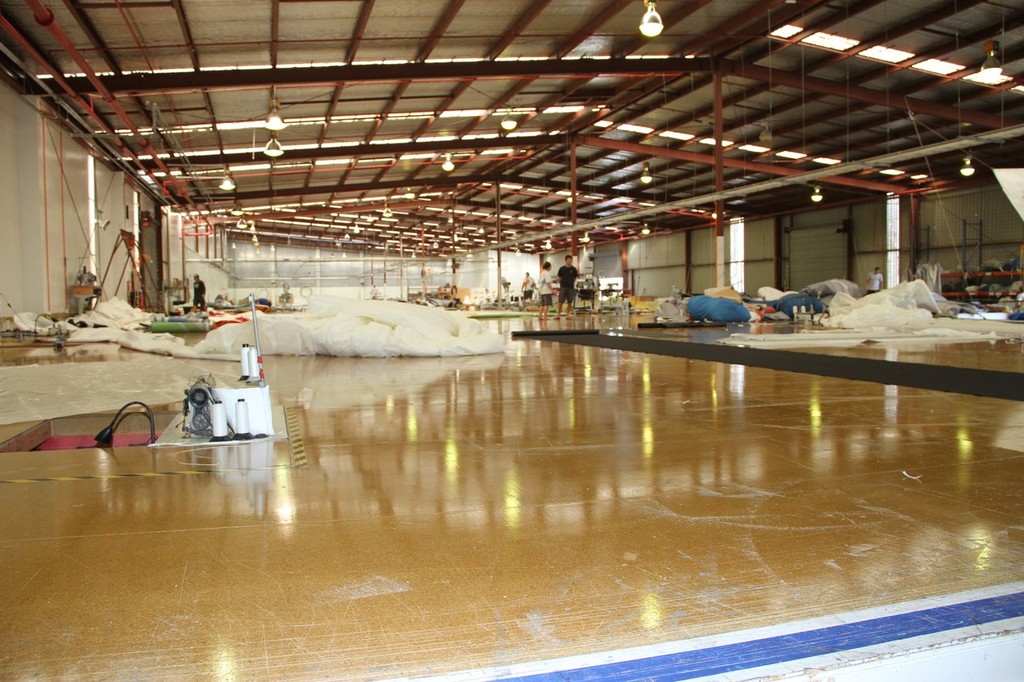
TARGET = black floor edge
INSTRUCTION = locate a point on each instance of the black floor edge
(968, 381)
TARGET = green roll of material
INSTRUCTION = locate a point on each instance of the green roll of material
(179, 327)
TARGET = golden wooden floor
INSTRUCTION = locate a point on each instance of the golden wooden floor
(458, 513)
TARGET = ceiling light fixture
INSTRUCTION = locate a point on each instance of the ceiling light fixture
(448, 166)
(387, 213)
(226, 183)
(645, 229)
(241, 224)
(274, 121)
(585, 239)
(508, 123)
(273, 148)
(651, 24)
(967, 170)
(237, 211)
(817, 196)
(766, 132)
(991, 66)
(645, 175)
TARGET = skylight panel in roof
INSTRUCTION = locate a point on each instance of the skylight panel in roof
(938, 67)
(830, 41)
(603, 123)
(786, 154)
(454, 60)
(676, 136)
(885, 54)
(563, 110)
(241, 125)
(755, 148)
(787, 31)
(391, 140)
(648, 56)
(987, 77)
(630, 128)
(891, 171)
(826, 161)
(711, 141)
(919, 176)
(410, 114)
(1019, 88)
(464, 113)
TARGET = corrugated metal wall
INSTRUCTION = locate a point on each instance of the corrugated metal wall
(816, 247)
(759, 254)
(657, 264)
(869, 240)
(993, 231)
(702, 253)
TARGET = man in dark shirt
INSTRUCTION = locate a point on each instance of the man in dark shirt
(198, 294)
(567, 275)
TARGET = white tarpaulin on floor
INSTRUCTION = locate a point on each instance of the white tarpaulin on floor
(332, 326)
(354, 328)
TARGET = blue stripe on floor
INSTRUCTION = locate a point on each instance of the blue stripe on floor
(726, 658)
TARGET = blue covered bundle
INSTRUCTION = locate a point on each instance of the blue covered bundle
(716, 309)
(790, 301)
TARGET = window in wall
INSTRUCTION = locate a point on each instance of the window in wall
(736, 254)
(90, 167)
(892, 240)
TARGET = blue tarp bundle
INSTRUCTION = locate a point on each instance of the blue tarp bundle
(716, 309)
(790, 301)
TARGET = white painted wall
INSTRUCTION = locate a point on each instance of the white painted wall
(23, 274)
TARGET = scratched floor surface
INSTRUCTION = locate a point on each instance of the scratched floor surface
(441, 515)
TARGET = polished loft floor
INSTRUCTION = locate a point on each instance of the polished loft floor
(444, 515)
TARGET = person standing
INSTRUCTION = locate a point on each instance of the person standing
(875, 281)
(527, 289)
(567, 275)
(198, 293)
(545, 290)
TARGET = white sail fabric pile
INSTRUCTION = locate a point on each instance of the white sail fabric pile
(353, 328)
